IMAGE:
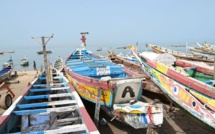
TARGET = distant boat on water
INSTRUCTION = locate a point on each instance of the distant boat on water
(24, 62)
(1, 52)
(13, 51)
(9, 62)
(99, 49)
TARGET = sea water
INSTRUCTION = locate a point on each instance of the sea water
(31, 54)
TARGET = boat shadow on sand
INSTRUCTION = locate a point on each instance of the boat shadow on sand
(174, 122)
(177, 120)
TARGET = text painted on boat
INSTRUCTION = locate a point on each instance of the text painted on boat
(103, 71)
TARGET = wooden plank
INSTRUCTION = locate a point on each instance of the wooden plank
(44, 85)
(97, 109)
(45, 104)
(24, 123)
(47, 96)
(68, 119)
(46, 110)
(48, 89)
(68, 129)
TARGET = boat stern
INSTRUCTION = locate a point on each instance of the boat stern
(127, 90)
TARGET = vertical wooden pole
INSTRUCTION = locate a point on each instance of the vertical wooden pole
(97, 108)
(45, 57)
(45, 61)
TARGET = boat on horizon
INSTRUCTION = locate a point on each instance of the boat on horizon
(181, 55)
(47, 108)
(182, 85)
(9, 62)
(24, 62)
(112, 88)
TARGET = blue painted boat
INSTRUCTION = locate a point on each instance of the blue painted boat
(112, 86)
(5, 73)
(43, 108)
(9, 62)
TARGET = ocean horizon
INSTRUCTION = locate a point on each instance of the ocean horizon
(31, 54)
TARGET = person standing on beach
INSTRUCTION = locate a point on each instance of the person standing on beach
(34, 65)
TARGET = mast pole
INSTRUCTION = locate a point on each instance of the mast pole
(45, 56)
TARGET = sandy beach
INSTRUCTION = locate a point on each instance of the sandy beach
(19, 82)
(176, 122)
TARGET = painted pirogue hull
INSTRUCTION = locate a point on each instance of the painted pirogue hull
(5, 73)
(179, 55)
(105, 83)
(116, 94)
(88, 88)
(42, 109)
(181, 94)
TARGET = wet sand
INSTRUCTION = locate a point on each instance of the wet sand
(176, 122)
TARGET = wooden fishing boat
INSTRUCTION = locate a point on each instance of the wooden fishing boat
(134, 67)
(111, 87)
(43, 108)
(5, 73)
(194, 96)
(127, 57)
(24, 62)
(59, 64)
(199, 51)
(9, 62)
(206, 47)
(180, 55)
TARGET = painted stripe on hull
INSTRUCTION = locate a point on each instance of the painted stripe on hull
(89, 81)
(90, 93)
(90, 125)
(179, 94)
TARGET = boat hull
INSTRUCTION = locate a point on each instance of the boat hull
(119, 93)
(5, 73)
(181, 95)
(90, 93)
(56, 108)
